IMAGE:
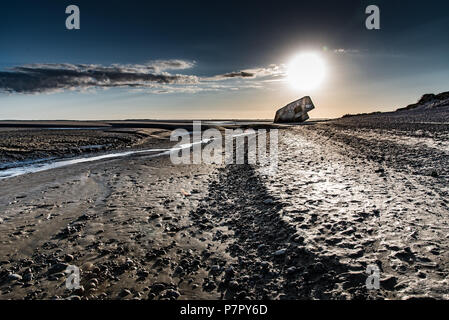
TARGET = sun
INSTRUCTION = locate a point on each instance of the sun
(306, 71)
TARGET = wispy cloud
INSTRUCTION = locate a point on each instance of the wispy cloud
(270, 71)
(174, 64)
(154, 75)
(346, 51)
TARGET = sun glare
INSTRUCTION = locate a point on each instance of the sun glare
(306, 71)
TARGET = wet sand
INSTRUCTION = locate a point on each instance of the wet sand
(347, 194)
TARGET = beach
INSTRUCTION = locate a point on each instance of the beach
(347, 194)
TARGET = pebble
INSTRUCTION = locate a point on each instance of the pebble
(58, 267)
(151, 296)
(280, 252)
(229, 271)
(389, 283)
(215, 268)
(28, 277)
(157, 287)
(79, 291)
(233, 285)
(14, 277)
(291, 270)
(129, 262)
(124, 293)
(143, 274)
(172, 294)
(179, 269)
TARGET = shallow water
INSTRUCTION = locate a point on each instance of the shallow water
(37, 167)
(43, 165)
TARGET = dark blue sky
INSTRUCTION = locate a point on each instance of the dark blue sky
(223, 37)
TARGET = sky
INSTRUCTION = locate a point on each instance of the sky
(216, 59)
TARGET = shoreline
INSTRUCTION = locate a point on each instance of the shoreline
(142, 228)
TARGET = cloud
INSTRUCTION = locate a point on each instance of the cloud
(346, 51)
(175, 64)
(57, 77)
(39, 78)
(270, 71)
(240, 74)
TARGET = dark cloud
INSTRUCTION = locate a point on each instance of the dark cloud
(264, 72)
(48, 78)
(174, 64)
(241, 74)
(39, 78)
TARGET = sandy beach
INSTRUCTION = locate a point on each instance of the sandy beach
(347, 194)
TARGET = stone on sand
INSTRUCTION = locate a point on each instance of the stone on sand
(295, 111)
(14, 277)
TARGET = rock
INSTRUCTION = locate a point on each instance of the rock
(79, 291)
(124, 293)
(172, 294)
(56, 276)
(28, 277)
(129, 263)
(157, 287)
(280, 252)
(14, 277)
(233, 285)
(295, 111)
(210, 286)
(57, 268)
(143, 274)
(102, 295)
(179, 270)
(353, 279)
(291, 270)
(357, 253)
(68, 258)
(229, 272)
(88, 266)
(151, 296)
(268, 201)
(215, 269)
(435, 251)
(242, 295)
(389, 283)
